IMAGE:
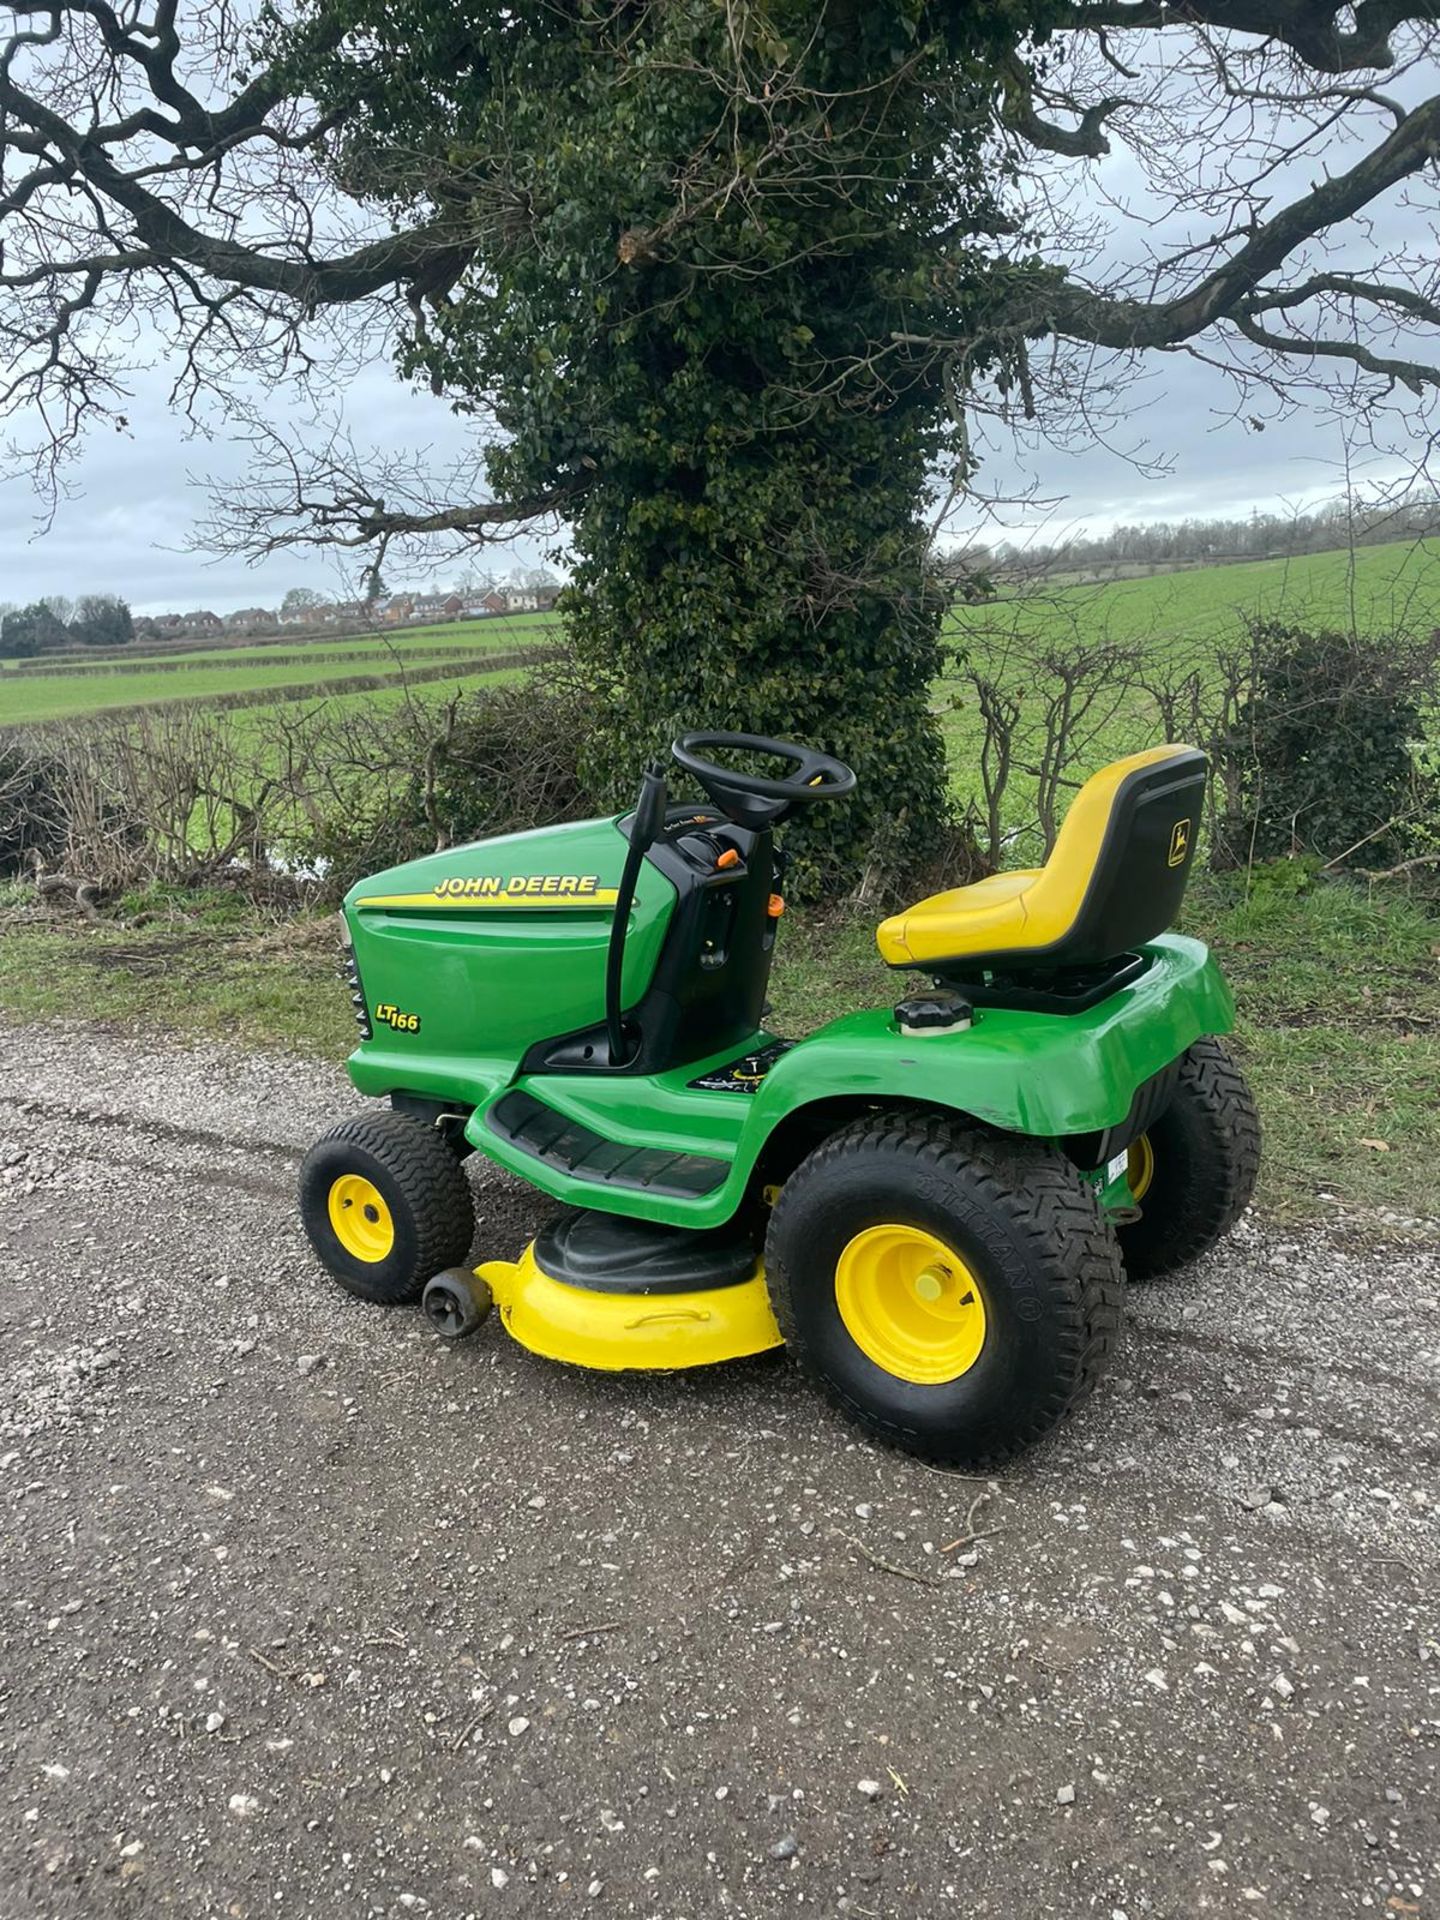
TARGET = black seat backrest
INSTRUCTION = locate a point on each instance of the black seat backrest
(1138, 879)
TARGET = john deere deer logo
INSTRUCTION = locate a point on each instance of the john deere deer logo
(1179, 843)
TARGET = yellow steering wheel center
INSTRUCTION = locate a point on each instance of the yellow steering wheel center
(910, 1304)
(1139, 1167)
(360, 1218)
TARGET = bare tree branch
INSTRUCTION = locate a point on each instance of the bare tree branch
(1227, 290)
(1084, 141)
(158, 179)
(1310, 27)
(339, 496)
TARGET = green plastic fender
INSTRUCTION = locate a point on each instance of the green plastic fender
(1044, 1075)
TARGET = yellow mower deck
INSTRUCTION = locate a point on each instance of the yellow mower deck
(629, 1332)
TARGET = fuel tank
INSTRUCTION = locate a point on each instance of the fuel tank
(480, 951)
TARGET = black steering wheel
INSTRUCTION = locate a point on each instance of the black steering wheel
(755, 799)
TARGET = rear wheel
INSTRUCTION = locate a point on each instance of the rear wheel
(1192, 1173)
(385, 1204)
(954, 1293)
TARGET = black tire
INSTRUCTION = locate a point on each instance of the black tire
(1035, 1241)
(1206, 1154)
(420, 1182)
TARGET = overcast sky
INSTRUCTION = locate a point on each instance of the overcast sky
(136, 498)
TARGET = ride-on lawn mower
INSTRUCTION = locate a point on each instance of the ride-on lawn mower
(934, 1206)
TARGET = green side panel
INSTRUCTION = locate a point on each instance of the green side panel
(1045, 1075)
(1041, 1074)
(487, 975)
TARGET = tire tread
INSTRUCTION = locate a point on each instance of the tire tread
(1210, 1204)
(437, 1193)
(1056, 1212)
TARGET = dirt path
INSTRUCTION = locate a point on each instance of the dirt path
(306, 1615)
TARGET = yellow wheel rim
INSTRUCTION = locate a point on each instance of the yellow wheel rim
(360, 1218)
(1140, 1167)
(910, 1304)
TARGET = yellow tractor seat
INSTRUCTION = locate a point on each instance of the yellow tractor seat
(1115, 879)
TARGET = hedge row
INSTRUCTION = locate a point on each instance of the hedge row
(32, 670)
(315, 689)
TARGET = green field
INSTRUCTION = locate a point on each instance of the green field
(1380, 589)
(27, 696)
(503, 634)
(1174, 623)
(1176, 618)
(247, 723)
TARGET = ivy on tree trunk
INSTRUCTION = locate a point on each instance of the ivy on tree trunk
(768, 583)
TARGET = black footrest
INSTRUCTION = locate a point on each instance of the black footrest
(527, 1123)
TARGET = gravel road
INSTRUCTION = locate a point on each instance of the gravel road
(307, 1615)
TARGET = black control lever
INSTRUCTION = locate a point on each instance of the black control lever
(646, 824)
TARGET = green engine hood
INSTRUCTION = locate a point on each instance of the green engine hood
(468, 957)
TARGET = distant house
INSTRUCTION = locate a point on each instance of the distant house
(353, 613)
(397, 609)
(530, 599)
(494, 603)
(202, 621)
(436, 606)
(318, 616)
(249, 620)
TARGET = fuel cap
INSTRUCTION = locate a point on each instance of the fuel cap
(930, 1013)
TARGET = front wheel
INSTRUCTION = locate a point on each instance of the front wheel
(954, 1292)
(385, 1204)
(1193, 1172)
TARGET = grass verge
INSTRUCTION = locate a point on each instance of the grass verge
(209, 969)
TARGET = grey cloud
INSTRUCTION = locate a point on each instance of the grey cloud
(137, 499)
